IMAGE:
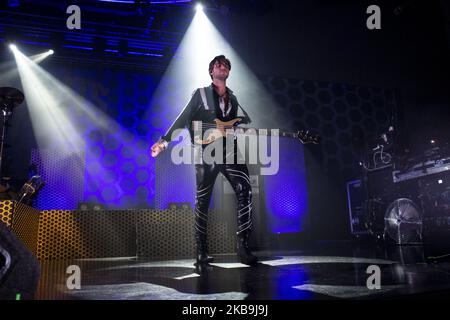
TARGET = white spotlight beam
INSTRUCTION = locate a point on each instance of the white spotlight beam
(44, 105)
(54, 110)
(188, 70)
(52, 105)
(41, 56)
(35, 58)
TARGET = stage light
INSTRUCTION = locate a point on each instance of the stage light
(12, 47)
(173, 206)
(51, 51)
(199, 7)
(185, 205)
(98, 207)
(83, 206)
(179, 205)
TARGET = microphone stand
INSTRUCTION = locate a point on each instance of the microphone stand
(6, 112)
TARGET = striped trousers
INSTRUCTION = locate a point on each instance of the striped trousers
(237, 175)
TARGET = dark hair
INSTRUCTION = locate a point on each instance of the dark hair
(221, 59)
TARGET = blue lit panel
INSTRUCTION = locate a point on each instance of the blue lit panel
(286, 196)
(63, 177)
(174, 183)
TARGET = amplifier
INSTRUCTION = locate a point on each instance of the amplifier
(356, 207)
(435, 198)
(380, 183)
(422, 169)
(431, 192)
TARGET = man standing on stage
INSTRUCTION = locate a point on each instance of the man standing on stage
(206, 104)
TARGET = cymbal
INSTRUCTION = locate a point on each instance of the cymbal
(11, 96)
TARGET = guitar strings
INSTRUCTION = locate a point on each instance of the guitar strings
(218, 126)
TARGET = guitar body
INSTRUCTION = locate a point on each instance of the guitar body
(218, 132)
(210, 132)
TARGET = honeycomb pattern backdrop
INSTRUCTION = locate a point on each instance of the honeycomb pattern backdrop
(63, 176)
(340, 113)
(120, 173)
(177, 184)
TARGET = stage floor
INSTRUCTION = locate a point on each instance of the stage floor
(325, 271)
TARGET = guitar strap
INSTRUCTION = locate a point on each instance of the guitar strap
(205, 102)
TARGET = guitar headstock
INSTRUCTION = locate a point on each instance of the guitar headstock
(308, 137)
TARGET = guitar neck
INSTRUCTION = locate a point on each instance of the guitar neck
(277, 133)
(304, 137)
(230, 127)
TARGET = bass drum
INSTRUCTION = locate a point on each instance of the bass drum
(403, 222)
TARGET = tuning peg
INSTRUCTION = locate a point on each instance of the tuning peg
(316, 139)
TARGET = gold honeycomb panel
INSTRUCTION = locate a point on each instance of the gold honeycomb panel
(6, 211)
(22, 220)
(25, 224)
(66, 234)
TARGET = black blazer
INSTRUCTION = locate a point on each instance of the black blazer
(195, 110)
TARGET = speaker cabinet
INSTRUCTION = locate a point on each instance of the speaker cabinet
(356, 208)
(19, 268)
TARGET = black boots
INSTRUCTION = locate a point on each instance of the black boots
(202, 256)
(244, 253)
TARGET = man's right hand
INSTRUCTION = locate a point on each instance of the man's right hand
(157, 148)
